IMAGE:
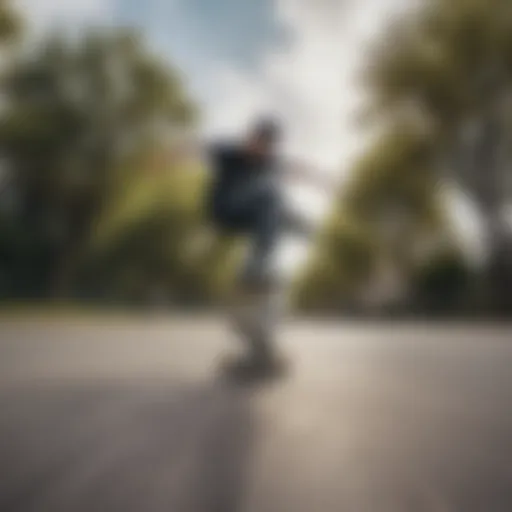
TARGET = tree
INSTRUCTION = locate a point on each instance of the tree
(338, 268)
(441, 284)
(387, 211)
(10, 23)
(450, 66)
(153, 239)
(395, 193)
(79, 115)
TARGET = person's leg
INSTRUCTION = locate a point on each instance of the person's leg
(263, 212)
(260, 296)
(258, 284)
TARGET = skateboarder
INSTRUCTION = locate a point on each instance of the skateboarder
(245, 198)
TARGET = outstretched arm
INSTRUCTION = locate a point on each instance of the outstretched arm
(304, 174)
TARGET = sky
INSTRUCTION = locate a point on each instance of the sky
(298, 59)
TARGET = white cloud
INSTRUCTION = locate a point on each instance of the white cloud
(310, 82)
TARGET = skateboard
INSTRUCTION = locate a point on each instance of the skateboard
(246, 368)
(261, 358)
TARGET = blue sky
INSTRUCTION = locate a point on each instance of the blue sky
(230, 30)
(202, 36)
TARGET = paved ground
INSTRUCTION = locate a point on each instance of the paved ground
(131, 416)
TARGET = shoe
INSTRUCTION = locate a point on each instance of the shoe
(266, 358)
(253, 369)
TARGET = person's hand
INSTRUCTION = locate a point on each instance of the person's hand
(319, 180)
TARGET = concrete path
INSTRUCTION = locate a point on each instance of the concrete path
(131, 416)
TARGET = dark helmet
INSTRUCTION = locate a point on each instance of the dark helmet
(268, 129)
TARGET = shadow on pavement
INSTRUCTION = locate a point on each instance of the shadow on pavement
(106, 446)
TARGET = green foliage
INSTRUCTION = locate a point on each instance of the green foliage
(389, 204)
(439, 70)
(394, 172)
(10, 23)
(154, 237)
(442, 284)
(82, 121)
(443, 58)
(451, 63)
(338, 268)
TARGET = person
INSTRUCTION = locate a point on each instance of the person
(246, 198)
